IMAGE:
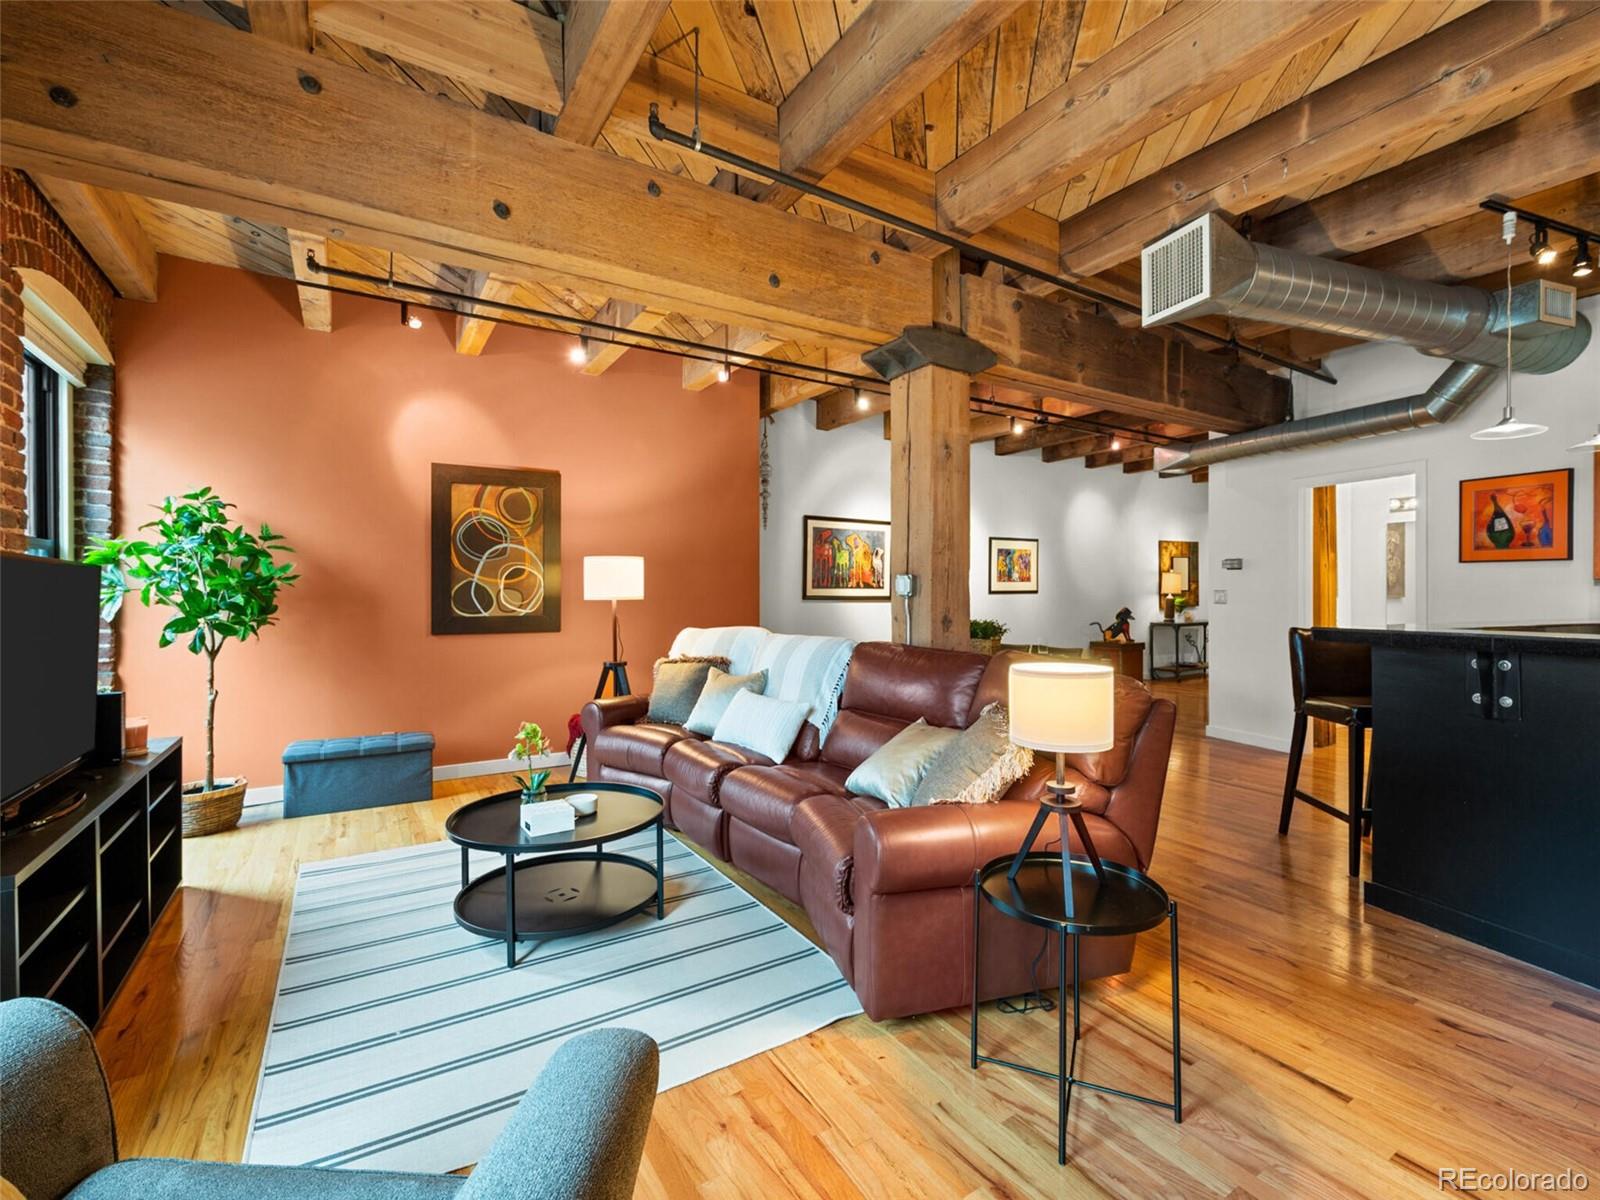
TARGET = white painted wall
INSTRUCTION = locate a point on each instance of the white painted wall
(1259, 511)
(1097, 532)
(1363, 549)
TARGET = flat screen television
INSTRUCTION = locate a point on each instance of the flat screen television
(49, 651)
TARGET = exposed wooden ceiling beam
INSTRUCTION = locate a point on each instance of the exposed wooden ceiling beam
(1037, 437)
(1456, 73)
(1193, 52)
(884, 60)
(1060, 349)
(473, 332)
(1551, 144)
(785, 392)
(316, 304)
(287, 22)
(459, 185)
(1138, 458)
(841, 407)
(498, 45)
(749, 126)
(601, 353)
(106, 225)
(1080, 447)
(602, 42)
(699, 373)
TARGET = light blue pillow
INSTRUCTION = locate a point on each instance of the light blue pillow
(891, 773)
(718, 693)
(761, 723)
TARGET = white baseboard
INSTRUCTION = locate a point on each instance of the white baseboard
(259, 797)
(1245, 737)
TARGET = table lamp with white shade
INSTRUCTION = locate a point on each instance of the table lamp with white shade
(1171, 587)
(1062, 708)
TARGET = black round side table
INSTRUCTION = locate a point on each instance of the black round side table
(574, 890)
(1125, 901)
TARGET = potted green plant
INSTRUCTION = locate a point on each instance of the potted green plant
(540, 813)
(222, 583)
(986, 636)
(1180, 604)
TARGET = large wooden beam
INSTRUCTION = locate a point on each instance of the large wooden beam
(1467, 68)
(316, 304)
(391, 167)
(105, 223)
(1038, 437)
(1554, 143)
(699, 373)
(1055, 349)
(1080, 447)
(892, 51)
(602, 42)
(500, 46)
(785, 392)
(1191, 53)
(930, 457)
(600, 352)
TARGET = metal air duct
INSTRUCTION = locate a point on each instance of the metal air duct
(1205, 268)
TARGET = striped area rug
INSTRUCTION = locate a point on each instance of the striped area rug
(401, 1041)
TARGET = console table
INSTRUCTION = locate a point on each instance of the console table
(78, 897)
(1177, 668)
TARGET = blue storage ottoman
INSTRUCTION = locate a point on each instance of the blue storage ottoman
(324, 775)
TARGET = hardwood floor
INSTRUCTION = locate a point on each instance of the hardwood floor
(1327, 1051)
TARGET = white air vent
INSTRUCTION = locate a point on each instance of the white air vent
(1175, 272)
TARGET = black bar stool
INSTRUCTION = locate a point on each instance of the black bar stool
(1332, 681)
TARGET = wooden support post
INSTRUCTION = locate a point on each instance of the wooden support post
(930, 449)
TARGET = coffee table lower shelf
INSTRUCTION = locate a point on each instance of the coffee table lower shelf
(557, 895)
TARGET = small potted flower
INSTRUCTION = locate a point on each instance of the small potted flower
(986, 636)
(541, 813)
(1180, 604)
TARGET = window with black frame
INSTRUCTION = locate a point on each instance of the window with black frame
(41, 426)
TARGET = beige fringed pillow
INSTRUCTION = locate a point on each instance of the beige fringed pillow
(978, 766)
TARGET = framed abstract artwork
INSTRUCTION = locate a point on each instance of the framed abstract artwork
(1394, 560)
(1013, 565)
(1183, 559)
(496, 550)
(845, 559)
(1517, 518)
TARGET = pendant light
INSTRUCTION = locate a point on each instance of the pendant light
(1592, 443)
(1508, 427)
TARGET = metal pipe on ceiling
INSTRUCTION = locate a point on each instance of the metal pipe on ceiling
(750, 166)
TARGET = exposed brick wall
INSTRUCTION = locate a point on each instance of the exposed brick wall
(91, 484)
(33, 236)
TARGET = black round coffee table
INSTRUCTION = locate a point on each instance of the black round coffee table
(568, 888)
(1125, 901)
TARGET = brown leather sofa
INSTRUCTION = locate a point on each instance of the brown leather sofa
(890, 890)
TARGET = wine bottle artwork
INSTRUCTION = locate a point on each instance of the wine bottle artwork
(1517, 518)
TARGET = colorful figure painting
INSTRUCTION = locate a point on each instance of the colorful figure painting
(496, 550)
(1013, 565)
(846, 559)
(1517, 518)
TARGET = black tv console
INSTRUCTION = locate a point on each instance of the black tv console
(79, 896)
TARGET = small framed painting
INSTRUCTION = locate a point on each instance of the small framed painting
(1013, 565)
(845, 559)
(496, 550)
(1517, 518)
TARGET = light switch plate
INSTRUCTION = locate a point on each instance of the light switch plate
(1219, 596)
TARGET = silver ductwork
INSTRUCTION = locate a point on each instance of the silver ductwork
(1206, 268)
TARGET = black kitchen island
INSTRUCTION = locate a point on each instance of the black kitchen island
(1485, 786)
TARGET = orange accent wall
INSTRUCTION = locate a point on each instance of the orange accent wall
(329, 437)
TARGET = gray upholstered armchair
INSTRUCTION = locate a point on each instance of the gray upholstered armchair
(578, 1133)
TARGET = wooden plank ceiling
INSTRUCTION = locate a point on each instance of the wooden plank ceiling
(990, 85)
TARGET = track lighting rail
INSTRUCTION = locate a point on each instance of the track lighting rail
(462, 304)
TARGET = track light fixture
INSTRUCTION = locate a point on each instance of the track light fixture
(1539, 247)
(722, 372)
(578, 353)
(1016, 425)
(1116, 443)
(408, 318)
(862, 403)
(1583, 261)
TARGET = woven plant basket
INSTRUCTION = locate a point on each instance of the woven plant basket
(213, 811)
